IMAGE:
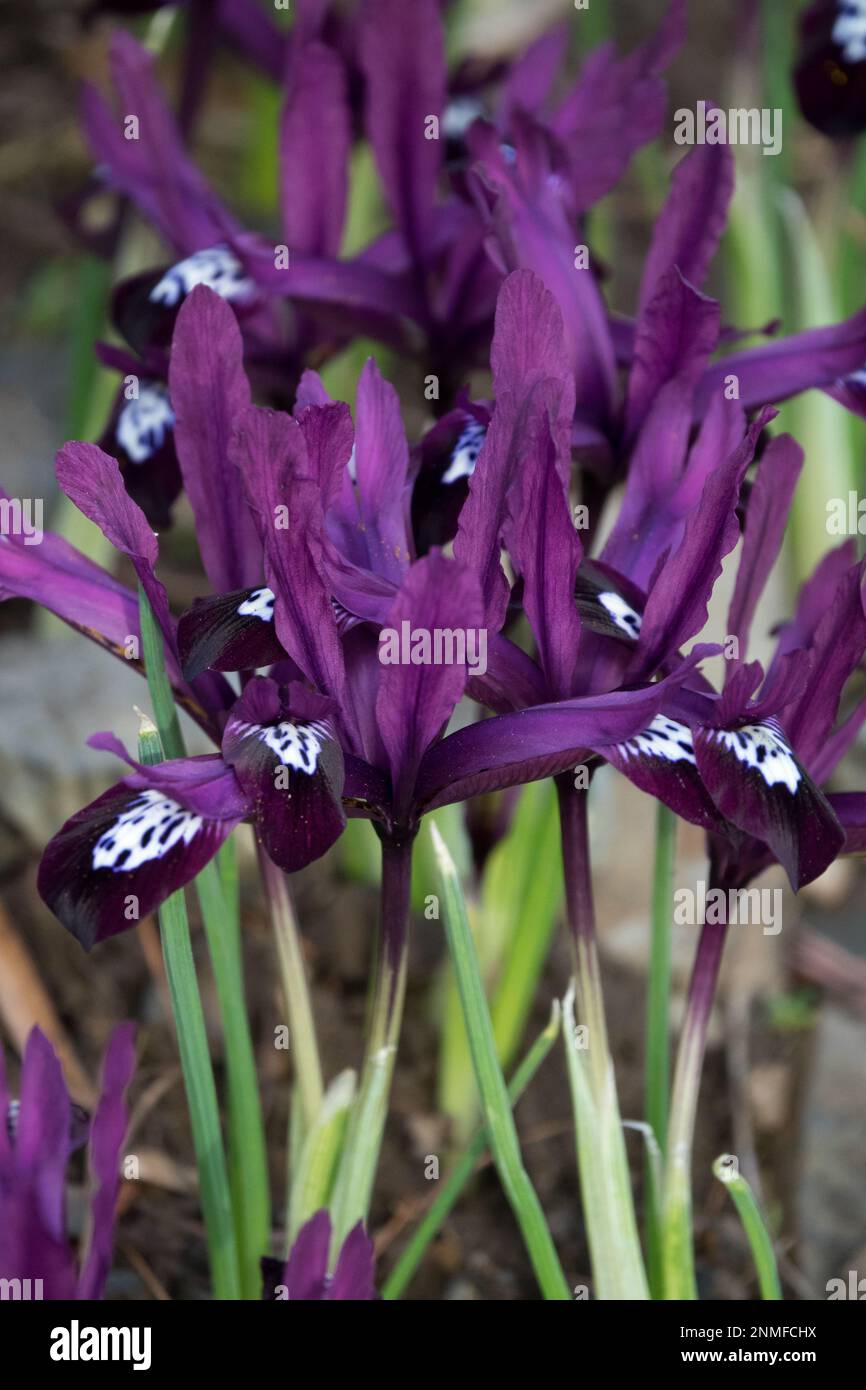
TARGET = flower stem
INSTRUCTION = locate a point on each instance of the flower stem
(357, 1170)
(302, 1028)
(605, 1180)
(498, 1119)
(216, 888)
(677, 1251)
(574, 830)
(657, 1037)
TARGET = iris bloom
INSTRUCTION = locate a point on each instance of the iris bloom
(318, 513)
(37, 1137)
(427, 286)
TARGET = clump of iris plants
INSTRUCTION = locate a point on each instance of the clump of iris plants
(393, 622)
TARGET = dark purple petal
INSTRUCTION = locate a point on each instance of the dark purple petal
(689, 226)
(329, 437)
(42, 1141)
(443, 463)
(766, 515)
(758, 784)
(271, 452)
(831, 70)
(542, 741)
(402, 57)
(116, 860)
(107, 1133)
(209, 392)
(617, 105)
(607, 603)
(229, 632)
(285, 755)
(817, 357)
(347, 296)
(307, 1266)
(664, 485)
(140, 435)
(528, 363)
(661, 761)
(545, 549)
(381, 470)
(439, 604)
(816, 596)
(533, 229)
(676, 333)
(314, 149)
(528, 83)
(92, 480)
(354, 1273)
(154, 170)
(850, 810)
(836, 650)
(677, 604)
(202, 784)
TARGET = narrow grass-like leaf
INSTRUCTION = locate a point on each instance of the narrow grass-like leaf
(726, 1170)
(608, 1206)
(499, 1121)
(198, 1077)
(462, 1171)
(313, 1178)
(657, 1035)
(248, 1164)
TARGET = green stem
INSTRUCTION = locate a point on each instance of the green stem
(760, 1244)
(657, 1036)
(605, 1180)
(677, 1251)
(293, 975)
(354, 1184)
(499, 1121)
(463, 1169)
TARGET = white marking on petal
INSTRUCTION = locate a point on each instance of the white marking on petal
(296, 745)
(663, 738)
(459, 115)
(148, 829)
(217, 267)
(625, 617)
(849, 30)
(465, 453)
(763, 748)
(258, 604)
(352, 465)
(143, 424)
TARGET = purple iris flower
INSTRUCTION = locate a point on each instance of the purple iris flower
(38, 1134)
(304, 1276)
(319, 511)
(528, 200)
(429, 285)
(748, 764)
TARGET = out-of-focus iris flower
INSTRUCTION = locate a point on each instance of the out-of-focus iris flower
(38, 1134)
(830, 76)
